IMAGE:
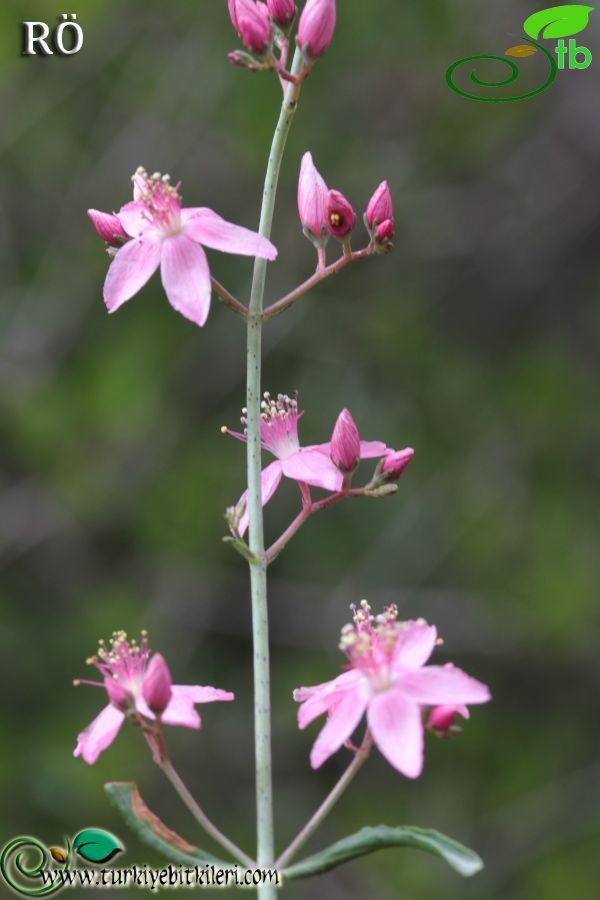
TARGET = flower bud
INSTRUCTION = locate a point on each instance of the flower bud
(345, 443)
(385, 232)
(156, 687)
(442, 718)
(380, 207)
(316, 27)
(339, 215)
(109, 227)
(118, 695)
(251, 21)
(312, 200)
(283, 12)
(393, 466)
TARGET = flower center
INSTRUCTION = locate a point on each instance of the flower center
(278, 424)
(369, 643)
(123, 661)
(162, 200)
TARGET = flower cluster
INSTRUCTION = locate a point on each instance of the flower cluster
(319, 465)
(388, 680)
(260, 25)
(138, 686)
(153, 231)
(324, 213)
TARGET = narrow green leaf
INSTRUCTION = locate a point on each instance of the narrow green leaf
(152, 832)
(96, 845)
(558, 21)
(367, 840)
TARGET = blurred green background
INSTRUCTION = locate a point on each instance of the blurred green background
(476, 342)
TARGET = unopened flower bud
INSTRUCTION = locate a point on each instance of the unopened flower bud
(393, 466)
(283, 12)
(442, 718)
(312, 200)
(384, 233)
(251, 21)
(156, 687)
(118, 695)
(380, 207)
(345, 443)
(339, 215)
(316, 27)
(109, 227)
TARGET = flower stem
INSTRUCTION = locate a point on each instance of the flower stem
(360, 757)
(322, 272)
(201, 817)
(228, 299)
(258, 567)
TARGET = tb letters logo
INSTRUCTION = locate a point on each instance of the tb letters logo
(557, 22)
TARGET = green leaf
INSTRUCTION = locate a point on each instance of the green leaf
(367, 840)
(96, 845)
(558, 21)
(152, 832)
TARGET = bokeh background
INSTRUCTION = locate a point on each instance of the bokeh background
(476, 342)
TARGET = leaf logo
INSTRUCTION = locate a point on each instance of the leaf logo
(96, 846)
(558, 21)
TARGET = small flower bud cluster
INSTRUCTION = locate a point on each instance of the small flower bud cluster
(263, 25)
(325, 212)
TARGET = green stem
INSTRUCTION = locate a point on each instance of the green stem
(360, 757)
(258, 568)
(201, 817)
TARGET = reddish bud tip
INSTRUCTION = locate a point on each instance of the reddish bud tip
(316, 27)
(380, 207)
(251, 21)
(345, 443)
(385, 232)
(394, 465)
(339, 214)
(442, 718)
(283, 12)
(156, 687)
(109, 227)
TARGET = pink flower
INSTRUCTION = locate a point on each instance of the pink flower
(380, 207)
(311, 465)
(163, 234)
(283, 12)
(389, 681)
(251, 21)
(129, 678)
(340, 215)
(384, 233)
(312, 200)
(345, 443)
(109, 227)
(316, 27)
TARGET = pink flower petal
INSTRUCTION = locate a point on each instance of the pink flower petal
(134, 218)
(322, 697)
(209, 229)
(397, 730)
(344, 718)
(134, 263)
(372, 449)
(269, 479)
(414, 645)
(314, 467)
(99, 734)
(181, 709)
(186, 277)
(447, 685)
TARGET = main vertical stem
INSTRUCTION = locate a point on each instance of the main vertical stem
(258, 568)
